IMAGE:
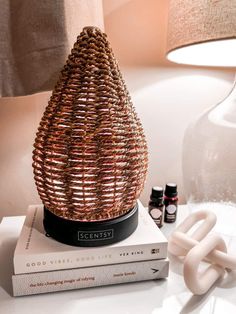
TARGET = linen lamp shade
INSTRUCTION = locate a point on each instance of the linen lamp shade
(202, 32)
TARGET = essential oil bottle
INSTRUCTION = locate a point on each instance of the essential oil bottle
(156, 205)
(170, 202)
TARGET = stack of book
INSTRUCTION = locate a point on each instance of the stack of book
(42, 264)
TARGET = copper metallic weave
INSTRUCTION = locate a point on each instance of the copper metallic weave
(90, 156)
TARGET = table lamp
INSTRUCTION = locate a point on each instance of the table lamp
(203, 33)
(90, 156)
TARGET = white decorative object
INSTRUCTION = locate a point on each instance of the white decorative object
(198, 247)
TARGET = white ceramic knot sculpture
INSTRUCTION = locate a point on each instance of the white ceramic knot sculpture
(198, 247)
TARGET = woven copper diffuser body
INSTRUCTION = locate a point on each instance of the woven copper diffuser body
(90, 156)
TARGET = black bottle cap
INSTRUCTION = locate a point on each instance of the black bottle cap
(157, 192)
(171, 190)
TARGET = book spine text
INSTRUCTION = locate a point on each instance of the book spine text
(76, 259)
(36, 283)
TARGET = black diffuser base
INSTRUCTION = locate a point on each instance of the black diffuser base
(96, 233)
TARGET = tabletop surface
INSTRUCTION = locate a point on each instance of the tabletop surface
(149, 297)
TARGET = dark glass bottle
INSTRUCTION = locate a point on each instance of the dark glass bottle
(170, 202)
(156, 205)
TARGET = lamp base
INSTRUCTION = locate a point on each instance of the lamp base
(88, 234)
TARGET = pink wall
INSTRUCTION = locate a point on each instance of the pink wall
(137, 30)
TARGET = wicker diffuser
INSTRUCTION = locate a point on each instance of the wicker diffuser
(90, 156)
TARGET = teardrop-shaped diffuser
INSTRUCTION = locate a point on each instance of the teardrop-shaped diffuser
(90, 156)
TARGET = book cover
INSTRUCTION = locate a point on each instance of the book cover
(44, 282)
(36, 253)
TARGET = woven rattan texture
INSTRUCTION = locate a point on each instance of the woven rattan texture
(90, 152)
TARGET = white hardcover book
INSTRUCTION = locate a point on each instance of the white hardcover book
(44, 282)
(36, 253)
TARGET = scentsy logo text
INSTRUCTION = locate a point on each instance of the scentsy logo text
(95, 235)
